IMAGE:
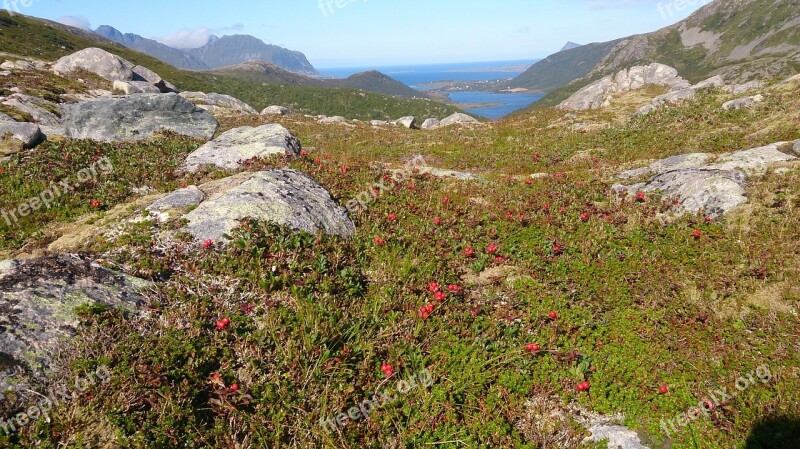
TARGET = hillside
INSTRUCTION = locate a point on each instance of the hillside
(172, 56)
(374, 81)
(32, 37)
(738, 39)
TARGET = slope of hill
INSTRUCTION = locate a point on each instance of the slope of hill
(738, 39)
(171, 56)
(570, 45)
(43, 39)
(562, 67)
(231, 50)
(375, 81)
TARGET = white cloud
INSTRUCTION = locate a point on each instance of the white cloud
(196, 37)
(75, 21)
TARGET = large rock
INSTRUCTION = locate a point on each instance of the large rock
(27, 133)
(599, 93)
(35, 107)
(430, 123)
(243, 143)
(135, 117)
(680, 94)
(331, 120)
(407, 122)
(38, 298)
(740, 103)
(275, 110)
(618, 437)
(136, 87)
(213, 102)
(97, 61)
(141, 73)
(699, 186)
(458, 119)
(180, 199)
(284, 196)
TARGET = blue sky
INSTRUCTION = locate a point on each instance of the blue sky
(363, 33)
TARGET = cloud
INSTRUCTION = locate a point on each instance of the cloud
(195, 37)
(75, 21)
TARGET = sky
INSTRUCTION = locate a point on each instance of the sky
(374, 33)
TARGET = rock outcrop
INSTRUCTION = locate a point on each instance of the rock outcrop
(599, 93)
(100, 62)
(741, 103)
(284, 196)
(28, 134)
(430, 123)
(240, 144)
(679, 95)
(458, 119)
(136, 117)
(406, 122)
(214, 102)
(275, 110)
(38, 298)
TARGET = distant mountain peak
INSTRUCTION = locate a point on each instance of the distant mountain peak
(570, 45)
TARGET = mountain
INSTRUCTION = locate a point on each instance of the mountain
(171, 56)
(231, 50)
(570, 45)
(738, 39)
(562, 67)
(372, 81)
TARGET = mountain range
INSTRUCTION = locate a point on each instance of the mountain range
(738, 39)
(218, 52)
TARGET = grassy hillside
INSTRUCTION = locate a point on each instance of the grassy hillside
(638, 302)
(45, 40)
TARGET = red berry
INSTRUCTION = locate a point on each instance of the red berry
(208, 243)
(223, 323)
(663, 389)
(585, 216)
(532, 347)
(437, 221)
(697, 233)
(553, 314)
(235, 387)
(433, 287)
(95, 203)
(387, 369)
(439, 296)
(469, 252)
(379, 241)
(491, 249)
(640, 196)
(392, 217)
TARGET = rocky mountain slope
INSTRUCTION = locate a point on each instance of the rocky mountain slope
(740, 40)
(172, 56)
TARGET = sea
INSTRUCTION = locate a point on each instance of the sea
(491, 105)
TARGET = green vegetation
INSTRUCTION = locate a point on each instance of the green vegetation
(639, 302)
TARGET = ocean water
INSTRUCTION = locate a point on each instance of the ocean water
(415, 76)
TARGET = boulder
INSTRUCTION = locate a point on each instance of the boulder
(407, 122)
(754, 161)
(334, 119)
(240, 144)
(180, 199)
(430, 123)
(136, 117)
(691, 160)
(378, 123)
(214, 102)
(458, 119)
(38, 298)
(35, 107)
(27, 133)
(275, 110)
(136, 87)
(100, 62)
(283, 196)
(796, 148)
(617, 437)
(740, 103)
(599, 93)
(141, 73)
(738, 89)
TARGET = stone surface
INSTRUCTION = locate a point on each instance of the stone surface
(97, 61)
(458, 119)
(680, 94)
(407, 122)
(284, 196)
(275, 110)
(691, 160)
(737, 89)
(141, 73)
(599, 93)
(135, 117)
(136, 87)
(34, 106)
(227, 102)
(243, 143)
(38, 298)
(796, 148)
(334, 119)
(618, 437)
(179, 199)
(27, 133)
(754, 161)
(745, 102)
(378, 122)
(430, 123)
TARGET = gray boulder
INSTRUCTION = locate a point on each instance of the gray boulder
(330, 120)
(100, 62)
(275, 110)
(27, 133)
(618, 437)
(754, 161)
(176, 201)
(407, 122)
(796, 148)
(458, 119)
(38, 298)
(378, 123)
(740, 103)
(691, 160)
(213, 102)
(284, 196)
(430, 123)
(136, 117)
(136, 87)
(599, 93)
(141, 73)
(680, 94)
(35, 107)
(243, 143)
(737, 89)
